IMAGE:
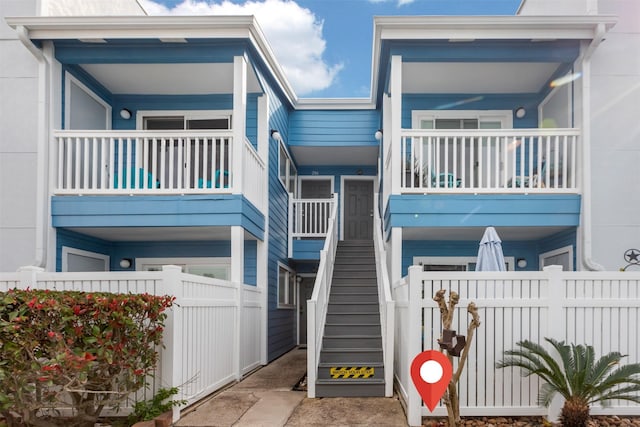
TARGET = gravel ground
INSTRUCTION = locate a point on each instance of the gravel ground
(596, 421)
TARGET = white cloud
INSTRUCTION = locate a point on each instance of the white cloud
(294, 33)
(400, 2)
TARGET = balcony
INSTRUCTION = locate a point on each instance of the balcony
(495, 161)
(157, 163)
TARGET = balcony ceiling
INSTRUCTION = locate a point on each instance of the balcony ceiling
(157, 234)
(335, 156)
(476, 78)
(475, 233)
(169, 79)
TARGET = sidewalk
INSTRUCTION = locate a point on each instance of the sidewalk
(266, 399)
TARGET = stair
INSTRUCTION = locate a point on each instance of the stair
(352, 342)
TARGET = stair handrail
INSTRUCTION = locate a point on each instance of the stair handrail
(317, 305)
(386, 302)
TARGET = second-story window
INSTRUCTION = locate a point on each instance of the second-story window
(286, 170)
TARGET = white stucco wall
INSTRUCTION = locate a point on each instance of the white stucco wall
(18, 102)
(557, 7)
(90, 7)
(615, 127)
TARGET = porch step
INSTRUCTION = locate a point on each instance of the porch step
(371, 328)
(354, 274)
(353, 297)
(353, 318)
(350, 388)
(324, 369)
(351, 341)
(351, 356)
(352, 307)
(354, 281)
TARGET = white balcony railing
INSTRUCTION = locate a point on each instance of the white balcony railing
(486, 161)
(152, 162)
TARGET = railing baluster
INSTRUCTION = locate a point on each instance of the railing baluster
(163, 163)
(61, 166)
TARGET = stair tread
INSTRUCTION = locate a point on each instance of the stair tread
(350, 380)
(352, 363)
(352, 324)
(353, 350)
(355, 336)
(352, 303)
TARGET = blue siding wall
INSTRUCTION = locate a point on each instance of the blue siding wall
(527, 249)
(80, 241)
(333, 128)
(281, 331)
(411, 102)
(162, 249)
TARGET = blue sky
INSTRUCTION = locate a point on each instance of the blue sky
(324, 46)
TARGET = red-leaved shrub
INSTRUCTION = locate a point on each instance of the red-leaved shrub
(81, 350)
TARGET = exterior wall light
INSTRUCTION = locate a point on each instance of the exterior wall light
(125, 114)
(378, 134)
(126, 262)
(276, 135)
(520, 112)
(521, 263)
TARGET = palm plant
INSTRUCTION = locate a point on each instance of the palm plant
(581, 380)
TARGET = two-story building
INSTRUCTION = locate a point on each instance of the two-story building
(178, 140)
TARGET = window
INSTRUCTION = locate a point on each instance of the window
(215, 268)
(286, 287)
(201, 161)
(286, 170)
(450, 263)
(83, 108)
(78, 260)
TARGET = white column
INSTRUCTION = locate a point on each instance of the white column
(396, 254)
(414, 347)
(239, 119)
(262, 267)
(237, 277)
(386, 146)
(171, 355)
(556, 326)
(262, 281)
(28, 277)
(395, 85)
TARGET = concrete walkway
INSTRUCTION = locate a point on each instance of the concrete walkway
(266, 399)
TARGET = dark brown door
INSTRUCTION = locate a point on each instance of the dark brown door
(358, 210)
(305, 291)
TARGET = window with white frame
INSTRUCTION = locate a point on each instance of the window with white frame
(215, 268)
(454, 263)
(286, 287)
(287, 171)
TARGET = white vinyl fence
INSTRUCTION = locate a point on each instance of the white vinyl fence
(601, 309)
(212, 333)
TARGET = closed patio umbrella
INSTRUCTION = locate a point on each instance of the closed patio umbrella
(490, 256)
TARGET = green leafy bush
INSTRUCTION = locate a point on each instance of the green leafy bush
(81, 350)
(158, 405)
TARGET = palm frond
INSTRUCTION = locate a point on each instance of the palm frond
(535, 360)
(546, 394)
(623, 375)
(603, 366)
(622, 393)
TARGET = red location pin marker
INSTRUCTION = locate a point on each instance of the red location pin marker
(431, 372)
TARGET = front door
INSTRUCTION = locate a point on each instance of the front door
(358, 210)
(304, 293)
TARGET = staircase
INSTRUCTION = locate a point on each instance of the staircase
(352, 341)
